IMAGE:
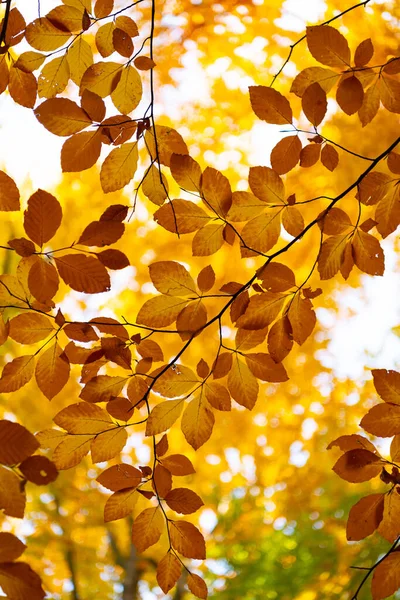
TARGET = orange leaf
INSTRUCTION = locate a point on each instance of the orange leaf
(41, 34)
(387, 384)
(350, 95)
(314, 103)
(364, 52)
(302, 318)
(169, 142)
(181, 216)
(352, 442)
(22, 87)
(172, 278)
(265, 368)
(187, 540)
(208, 240)
(364, 517)
(280, 340)
(382, 420)
(101, 78)
(197, 586)
(120, 504)
(163, 416)
(102, 388)
(83, 418)
(119, 167)
(16, 443)
(270, 106)
(329, 157)
(119, 477)
(71, 450)
(17, 373)
(328, 46)
(62, 116)
(216, 191)
(368, 254)
(80, 152)
(108, 444)
(286, 154)
(11, 547)
(162, 481)
(147, 528)
(43, 280)
(178, 464)
(18, 580)
(52, 371)
(266, 184)
(242, 384)
(9, 193)
(261, 311)
(42, 217)
(386, 577)
(186, 172)
(160, 311)
(197, 422)
(83, 273)
(30, 327)
(12, 499)
(183, 501)
(168, 572)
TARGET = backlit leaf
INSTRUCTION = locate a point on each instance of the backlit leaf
(197, 422)
(62, 116)
(42, 217)
(9, 193)
(120, 504)
(242, 384)
(364, 517)
(328, 46)
(358, 465)
(163, 416)
(286, 154)
(16, 443)
(270, 106)
(147, 528)
(168, 572)
(119, 167)
(83, 273)
(187, 540)
(183, 501)
(52, 371)
(17, 373)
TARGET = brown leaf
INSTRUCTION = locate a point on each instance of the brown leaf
(197, 422)
(329, 157)
(364, 517)
(17, 373)
(187, 540)
(350, 95)
(357, 466)
(364, 52)
(163, 416)
(12, 498)
(120, 504)
(382, 420)
(9, 193)
(178, 464)
(102, 388)
(39, 470)
(314, 104)
(83, 273)
(30, 327)
(52, 371)
(368, 254)
(286, 154)
(11, 547)
(43, 280)
(80, 152)
(119, 167)
(387, 384)
(352, 442)
(22, 87)
(269, 105)
(16, 443)
(197, 586)
(162, 481)
(168, 572)
(147, 528)
(169, 142)
(62, 116)
(186, 172)
(18, 580)
(386, 577)
(265, 368)
(183, 501)
(42, 217)
(242, 384)
(328, 46)
(181, 216)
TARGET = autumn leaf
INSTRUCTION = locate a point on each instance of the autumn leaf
(147, 528)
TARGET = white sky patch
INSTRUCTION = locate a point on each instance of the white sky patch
(296, 14)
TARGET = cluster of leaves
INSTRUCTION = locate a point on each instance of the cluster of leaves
(18, 466)
(270, 311)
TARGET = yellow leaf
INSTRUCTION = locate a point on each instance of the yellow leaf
(52, 371)
(169, 142)
(244, 206)
(80, 58)
(83, 418)
(197, 422)
(261, 311)
(104, 39)
(368, 254)
(261, 233)
(102, 388)
(147, 528)
(168, 572)
(208, 240)
(171, 278)
(331, 255)
(216, 191)
(101, 78)
(120, 504)
(107, 445)
(387, 215)
(266, 184)
(324, 77)
(119, 167)
(41, 34)
(160, 311)
(54, 77)
(30, 327)
(292, 220)
(155, 186)
(186, 172)
(176, 381)
(128, 92)
(192, 318)
(17, 373)
(181, 216)
(302, 318)
(71, 450)
(163, 416)
(242, 384)
(382, 420)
